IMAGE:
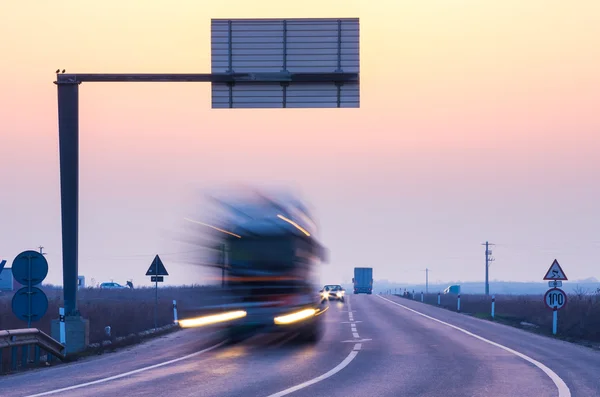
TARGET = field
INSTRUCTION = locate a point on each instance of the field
(125, 311)
(578, 320)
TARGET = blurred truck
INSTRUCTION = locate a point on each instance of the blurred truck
(269, 258)
(363, 280)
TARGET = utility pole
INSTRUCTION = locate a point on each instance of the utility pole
(488, 259)
(427, 280)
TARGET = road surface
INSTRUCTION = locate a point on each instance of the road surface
(373, 346)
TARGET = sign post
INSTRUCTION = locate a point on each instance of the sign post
(493, 305)
(156, 271)
(255, 63)
(555, 298)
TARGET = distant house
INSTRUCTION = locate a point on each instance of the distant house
(7, 282)
(453, 289)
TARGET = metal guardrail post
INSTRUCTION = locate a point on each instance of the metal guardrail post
(24, 355)
(14, 358)
(37, 355)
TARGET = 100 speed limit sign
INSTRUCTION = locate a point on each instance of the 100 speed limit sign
(555, 298)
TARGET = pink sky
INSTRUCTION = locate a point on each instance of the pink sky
(478, 121)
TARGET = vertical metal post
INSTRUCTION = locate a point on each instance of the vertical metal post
(439, 298)
(554, 321)
(24, 354)
(493, 306)
(36, 359)
(458, 303)
(156, 295)
(174, 311)
(487, 266)
(29, 291)
(14, 358)
(421, 296)
(68, 139)
(427, 280)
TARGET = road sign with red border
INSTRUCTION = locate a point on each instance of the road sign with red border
(555, 272)
(555, 299)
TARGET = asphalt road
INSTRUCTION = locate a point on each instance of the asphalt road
(383, 346)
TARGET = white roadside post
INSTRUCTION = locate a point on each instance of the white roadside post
(61, 317)
(439, 298)
(174, 311)
(493, 305)
(458, 304)
(421, 296)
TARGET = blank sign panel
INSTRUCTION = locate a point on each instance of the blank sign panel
(294, 46)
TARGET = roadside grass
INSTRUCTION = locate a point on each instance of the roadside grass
(578, 320)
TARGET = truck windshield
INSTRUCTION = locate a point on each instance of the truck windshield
(265, 255)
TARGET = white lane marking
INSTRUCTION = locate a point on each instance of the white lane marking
(355, 334)
(357, 346)
(127, 373)
(563, 389)
(329, 374)
(356, 340)
(351, 322)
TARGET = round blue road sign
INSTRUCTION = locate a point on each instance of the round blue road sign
(21, 305)
(30, 266)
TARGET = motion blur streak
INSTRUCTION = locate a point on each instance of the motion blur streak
(291, 222)
(213, 227)
(294, 317)
(216, 318)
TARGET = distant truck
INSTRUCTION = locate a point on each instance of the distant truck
(363, 280)
(452, 290)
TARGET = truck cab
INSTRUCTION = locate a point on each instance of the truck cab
(270, 270)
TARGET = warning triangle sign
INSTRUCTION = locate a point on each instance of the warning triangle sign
(157, 268)
(555, 272)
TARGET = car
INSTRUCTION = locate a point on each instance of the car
(112, 286)
(332, 292)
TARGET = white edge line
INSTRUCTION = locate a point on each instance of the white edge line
(355, 334)
(95, 382)
(332, 372)
(563, 389)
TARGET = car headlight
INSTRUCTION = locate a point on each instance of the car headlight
(339, 294)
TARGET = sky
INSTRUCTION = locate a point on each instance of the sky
(478, 121)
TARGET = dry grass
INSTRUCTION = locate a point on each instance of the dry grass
(125, 311)
(579, 320)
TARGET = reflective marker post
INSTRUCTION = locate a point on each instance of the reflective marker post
(421, 296)
(63, 334)
(458, 303)
(174, 311)
(439, 298)
(493, 305)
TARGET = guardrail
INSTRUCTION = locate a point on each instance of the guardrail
(25, 338)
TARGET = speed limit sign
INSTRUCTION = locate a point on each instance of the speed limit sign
(555, 298)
